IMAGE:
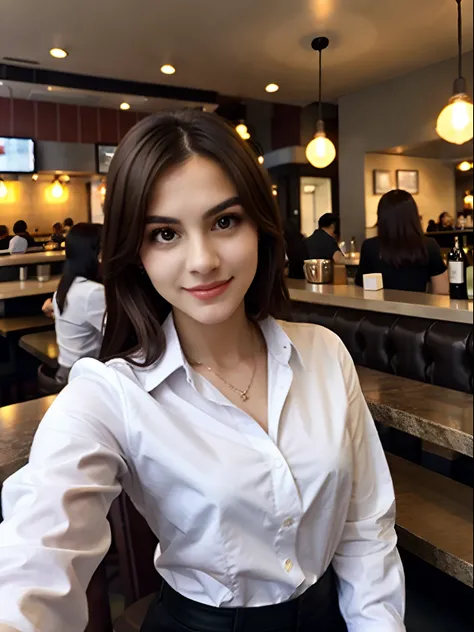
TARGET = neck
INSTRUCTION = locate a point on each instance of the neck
(224, 345)
(328, 231)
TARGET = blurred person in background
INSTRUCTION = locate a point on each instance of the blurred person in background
(295, 250)
(68, 224)
(57, 236)
(20, 229)
(4, 237)
(78, 305)
(432, 226)
(445, 221)
(403, 255)
(322, 244)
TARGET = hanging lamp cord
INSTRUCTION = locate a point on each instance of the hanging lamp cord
(459, 38)
(320, 105)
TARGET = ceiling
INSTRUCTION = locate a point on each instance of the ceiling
(93, 98)
(236, 47)
(438, 149)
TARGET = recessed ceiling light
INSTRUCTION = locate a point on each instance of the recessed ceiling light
(465, 165)
(1, 83)
(168, 69)
(272, 87)
(50, 89)
(125, 106)
(58, 53)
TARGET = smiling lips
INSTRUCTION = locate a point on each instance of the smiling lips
(212, 290)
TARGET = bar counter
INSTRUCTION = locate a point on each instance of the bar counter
(415, 304)
(27, 258)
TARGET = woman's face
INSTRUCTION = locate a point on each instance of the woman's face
(446, 219)
(200, 248)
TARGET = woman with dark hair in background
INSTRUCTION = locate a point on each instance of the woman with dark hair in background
(58, 234)
(445, 221)
(79, 303)
(295, 250)
(403, 255)
(244, 441)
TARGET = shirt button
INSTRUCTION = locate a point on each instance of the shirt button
(289, 522)
(288, 566)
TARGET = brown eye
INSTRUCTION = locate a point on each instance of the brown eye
(163, 235)
(227, 221)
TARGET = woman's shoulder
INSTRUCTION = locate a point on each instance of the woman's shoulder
(309, 338)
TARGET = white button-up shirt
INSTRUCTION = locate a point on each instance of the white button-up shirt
(79, 327)
(244, 518)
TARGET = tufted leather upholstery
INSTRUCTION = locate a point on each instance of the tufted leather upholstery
(435, 352)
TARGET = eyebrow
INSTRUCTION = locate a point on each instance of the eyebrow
(222, 206)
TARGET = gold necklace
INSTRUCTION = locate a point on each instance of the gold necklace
(243, 394)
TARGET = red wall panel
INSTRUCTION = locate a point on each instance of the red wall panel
(47, 121)
(68, 123)
(108, 126)
(5, 120)
(24, 118)
(88, 125)
(126, 121)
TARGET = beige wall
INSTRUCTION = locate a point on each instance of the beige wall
(28, 200)
(402, 111)
(437, 191)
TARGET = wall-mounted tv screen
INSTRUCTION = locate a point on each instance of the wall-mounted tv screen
(17, 155)
(104, 154)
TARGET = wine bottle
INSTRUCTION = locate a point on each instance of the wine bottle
(457, 272)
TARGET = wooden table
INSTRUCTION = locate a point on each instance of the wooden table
(18, 424)
(19, 324)
(42, 346)
(30, 287)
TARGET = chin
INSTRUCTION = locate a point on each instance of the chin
(212, 313)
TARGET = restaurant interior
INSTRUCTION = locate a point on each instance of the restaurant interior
(73, 83)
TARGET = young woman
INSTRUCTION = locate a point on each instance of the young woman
(245, 442)
(79, 303)
(403, 255)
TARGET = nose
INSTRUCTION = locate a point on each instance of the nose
(202, 255)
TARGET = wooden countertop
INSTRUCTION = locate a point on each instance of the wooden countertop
(30, 287)
(439, 415)
(30, 258)
(42, 345)
(434, 518)
(416, 304)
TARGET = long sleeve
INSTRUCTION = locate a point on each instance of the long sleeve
(369, 569)
(55, 531)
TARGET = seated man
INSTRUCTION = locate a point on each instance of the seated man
(322, 244)
(22, 237)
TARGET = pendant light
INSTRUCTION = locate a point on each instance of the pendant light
(320, 152)
(455, 123)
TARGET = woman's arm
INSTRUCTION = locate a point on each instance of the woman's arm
(440, 283)
(55, 531)
(370, 573)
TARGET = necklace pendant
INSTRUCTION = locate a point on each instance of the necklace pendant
(244, 397)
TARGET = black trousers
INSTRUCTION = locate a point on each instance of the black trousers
(317, 610)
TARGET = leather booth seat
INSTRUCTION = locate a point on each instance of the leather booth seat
(436, 352)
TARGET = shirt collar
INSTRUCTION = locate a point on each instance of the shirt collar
(279, 345)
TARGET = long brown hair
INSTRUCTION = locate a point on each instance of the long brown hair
(401, 237)
(135, 310)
